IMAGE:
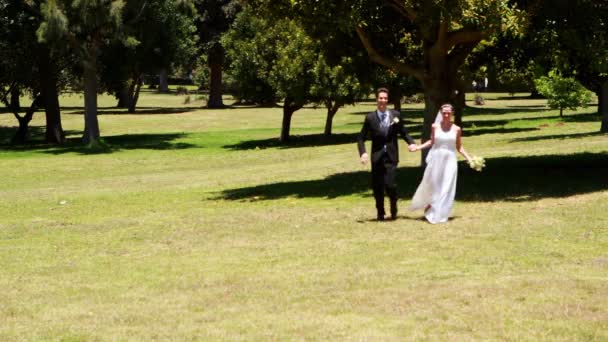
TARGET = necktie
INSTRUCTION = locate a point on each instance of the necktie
(383, 123)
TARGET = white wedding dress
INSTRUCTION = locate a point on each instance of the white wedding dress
(438, 185)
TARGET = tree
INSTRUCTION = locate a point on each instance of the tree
(87, 27)
(582, 30)
(272, 62)
(562, 92)
(251, 57)
(291, 75)
(28, 66)
(429, 40)
(215, 18)
(163, 34)
(335, 86)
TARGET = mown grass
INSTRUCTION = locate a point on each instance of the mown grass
(195, 224)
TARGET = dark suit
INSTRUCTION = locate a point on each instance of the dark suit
(384, 156)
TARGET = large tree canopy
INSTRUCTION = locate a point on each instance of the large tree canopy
(429, 39)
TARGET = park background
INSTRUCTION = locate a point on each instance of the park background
(176, 212)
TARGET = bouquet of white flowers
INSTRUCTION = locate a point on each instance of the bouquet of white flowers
(477, 163)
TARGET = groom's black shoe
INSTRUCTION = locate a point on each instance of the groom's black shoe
(380, 217)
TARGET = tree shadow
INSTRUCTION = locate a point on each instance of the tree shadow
(138, 110)
(408, 111)
(470, 132)
(504, 179)
(483, 110)
(7, 133)
(468, 125)
(296, 141)
(526, 106)
(313, 140)
(150, 111)
(110, 144)
(559, 136)
(519, 97)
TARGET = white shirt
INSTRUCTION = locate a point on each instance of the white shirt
(385, 122)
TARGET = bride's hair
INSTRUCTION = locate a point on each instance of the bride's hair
(447, 105)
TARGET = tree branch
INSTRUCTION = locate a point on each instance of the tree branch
(401, 67)
(463, 37)
(405, 11)
(442, 35)
(457, 56)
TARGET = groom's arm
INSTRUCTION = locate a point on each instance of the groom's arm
(404, 133)
(361, 140)
(362, 136)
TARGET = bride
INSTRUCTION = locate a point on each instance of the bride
(437, 189)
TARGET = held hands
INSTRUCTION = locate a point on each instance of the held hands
(413, 147)
(364, 158)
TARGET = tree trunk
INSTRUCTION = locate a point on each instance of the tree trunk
(534, 94)
(561, 112)
(91, 125)
(134, 93)
(54, 133)
(123, 97)
(602, 98)
(288, 109)
(396, 95)
(163, 81)
(216, 60)
(459, 104)
(22, 134)
(15, 99)
(332, 109)
(437, 93)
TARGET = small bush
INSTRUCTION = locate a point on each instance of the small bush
(416, 98)
(562, 92)
(181, 90)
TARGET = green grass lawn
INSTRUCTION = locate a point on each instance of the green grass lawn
(196, 225)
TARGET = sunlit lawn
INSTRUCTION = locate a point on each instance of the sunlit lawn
(196, 224)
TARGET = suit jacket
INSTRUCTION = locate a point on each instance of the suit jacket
(372, 129)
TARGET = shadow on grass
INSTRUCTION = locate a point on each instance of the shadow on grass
(138, 111)
(471, 126)
(470, 132)
(518, 97)
(313, 140)
(504, 179)
(560, 136)
(110, 144)
(483, 110)
(151, 111)
(297, 141)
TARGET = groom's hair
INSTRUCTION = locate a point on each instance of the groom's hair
(382, 90)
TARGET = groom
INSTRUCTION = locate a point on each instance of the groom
(383, 125)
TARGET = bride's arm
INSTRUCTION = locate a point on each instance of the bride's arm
(459, 146)
(430, 142)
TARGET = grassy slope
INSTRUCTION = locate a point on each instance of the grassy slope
(195, 224)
